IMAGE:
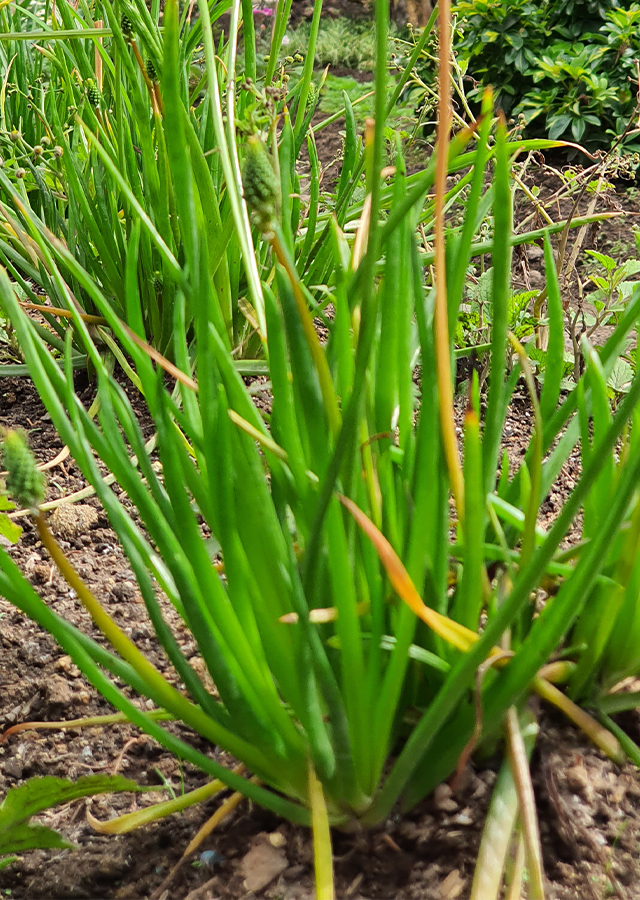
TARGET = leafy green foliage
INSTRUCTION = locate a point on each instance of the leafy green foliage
(88, 152)
(568, 68)
(304, 639)
(8, 529)
(340, 620)
(341, 43)
(610, 627)
(473, 326)
(614, 286)
(35, 796)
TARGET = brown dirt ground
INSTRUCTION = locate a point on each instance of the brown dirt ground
(589, 809)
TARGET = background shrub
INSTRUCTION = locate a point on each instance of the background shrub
(568, 67)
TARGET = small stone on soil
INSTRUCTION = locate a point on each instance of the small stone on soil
(262, 864)
(71, 520)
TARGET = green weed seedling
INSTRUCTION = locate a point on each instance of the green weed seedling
(35, 796)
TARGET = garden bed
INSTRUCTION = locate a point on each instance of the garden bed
(589, 808)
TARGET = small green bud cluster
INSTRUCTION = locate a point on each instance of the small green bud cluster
(93, 93)
(126, 26)
(25, 485)
(23, 155)
(152, 72)
(260, 184)
(312, 97)
(158, 282)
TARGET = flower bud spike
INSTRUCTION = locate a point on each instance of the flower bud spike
(151, 70)
(126, 26)
(93, 94)
(260, 184)
(25, 484)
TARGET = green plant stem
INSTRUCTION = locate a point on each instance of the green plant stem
(316, 351)
(62, 35)
(280, 20)
(322, 853)
(417, 50)
(307, 74)
(516, 872)
(441, 313)
(249, 35)
(499, 825)
(130, 821)
(369, 309)
(535, 464)
(231, 167)
(618, 702)
(601, 737)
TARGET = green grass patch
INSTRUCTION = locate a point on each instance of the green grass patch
(341, 42)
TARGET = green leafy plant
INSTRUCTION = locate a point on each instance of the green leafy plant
(356, 551)
(613, 287)
(20, 804)
(341, 42)
(473, 327)
(86, 159)
(582, 100)
(568, 68)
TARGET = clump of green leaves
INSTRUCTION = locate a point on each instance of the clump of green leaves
(343, 634)
(568, 68)
(341, 43)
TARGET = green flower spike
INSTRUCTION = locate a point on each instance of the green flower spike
(259, 184)
(93, 94)
(126, 26)
(24, 483)
(312, 97)
(151, 70)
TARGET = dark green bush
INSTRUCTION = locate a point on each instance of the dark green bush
(568, 66)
